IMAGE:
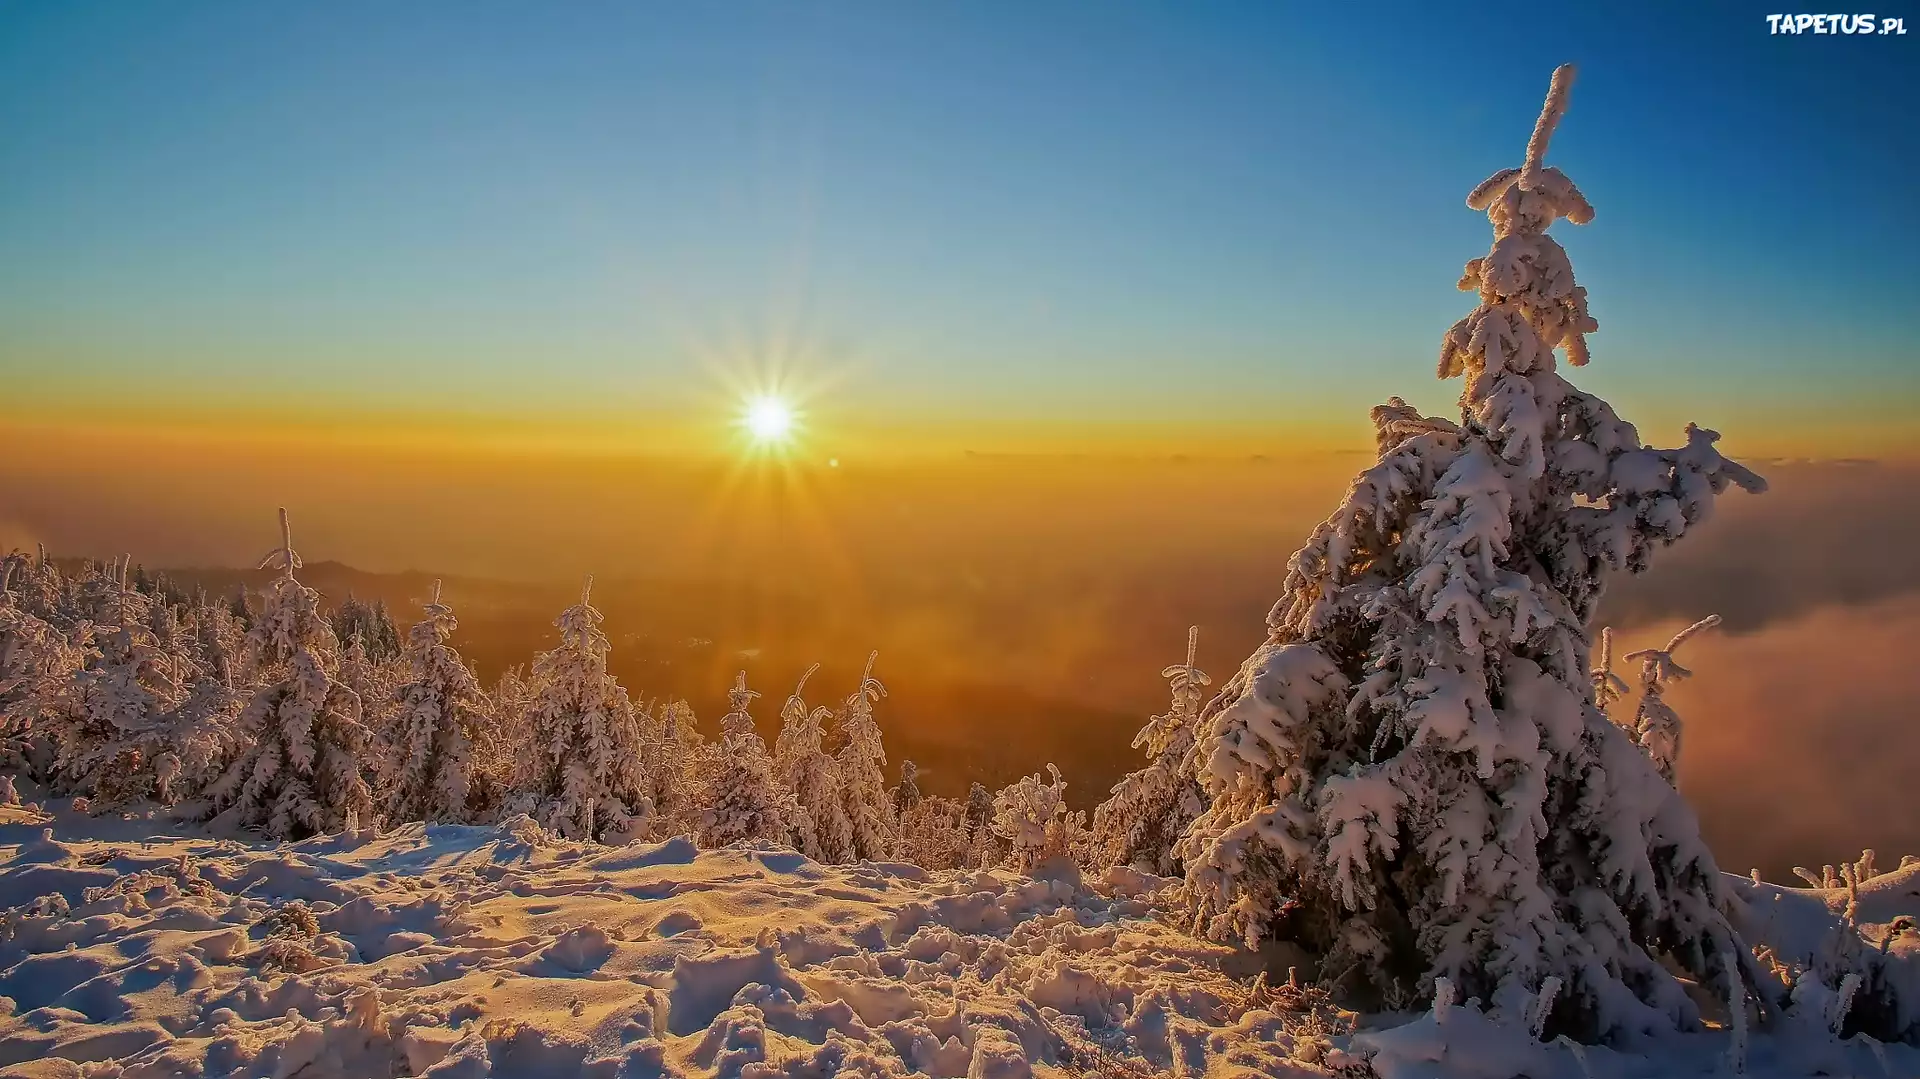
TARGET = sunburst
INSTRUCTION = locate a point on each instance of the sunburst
(769, 421)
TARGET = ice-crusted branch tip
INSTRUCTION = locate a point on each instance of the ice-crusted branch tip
(870, 687)
(1535, 174)
(1658, 667)
(1608, 687)
(1186, 675)
(740, 695)
(1550, 114)
(802, 684)
(283, 558)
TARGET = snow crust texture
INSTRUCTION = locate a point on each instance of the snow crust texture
(462, 951)
(506, 951)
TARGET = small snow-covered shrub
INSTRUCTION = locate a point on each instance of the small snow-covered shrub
(1031, 815)
(934, 834)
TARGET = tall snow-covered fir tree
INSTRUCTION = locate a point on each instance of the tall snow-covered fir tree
(802, 764)
(1148, 810)
(583, 769)
(440, 714)
(1411, 775)
(862, 766)
(1656, 726)
(304, 742)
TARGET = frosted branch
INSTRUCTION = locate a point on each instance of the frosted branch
(1550, 114)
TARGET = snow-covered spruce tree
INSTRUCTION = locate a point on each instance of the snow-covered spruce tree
(795, 742)
(1149, 810)
(1411, 774)
(440, 714)
(199, 736)
(217, 635)
(371, 682)
(99, 590)
(508, 739)
(169, 628)
(1656, 726)
(979, 805)
(583, 769)
(934, 834)
(240, 604)
(747, 800)
(682, 775)
(862, 766)
(802, 765)
(384, 643)
(113, 728)
(31, 583)
(983, 847)
(14, 572)
(907, 794)
(37, 666)
(371, 625)
(513, 692)
(301, 732)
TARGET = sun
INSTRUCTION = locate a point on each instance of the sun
(769, 420)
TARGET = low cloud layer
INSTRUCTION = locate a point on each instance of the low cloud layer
(1824, 535)
(1066, 584)
(1801, 737)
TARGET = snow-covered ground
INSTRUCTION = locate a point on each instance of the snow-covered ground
(136, 947)
(460, 951)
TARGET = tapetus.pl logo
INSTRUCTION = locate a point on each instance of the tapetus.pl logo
(1837, 24)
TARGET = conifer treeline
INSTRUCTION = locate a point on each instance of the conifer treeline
(258, 710)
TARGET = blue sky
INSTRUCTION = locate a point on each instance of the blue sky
(1232, 212)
